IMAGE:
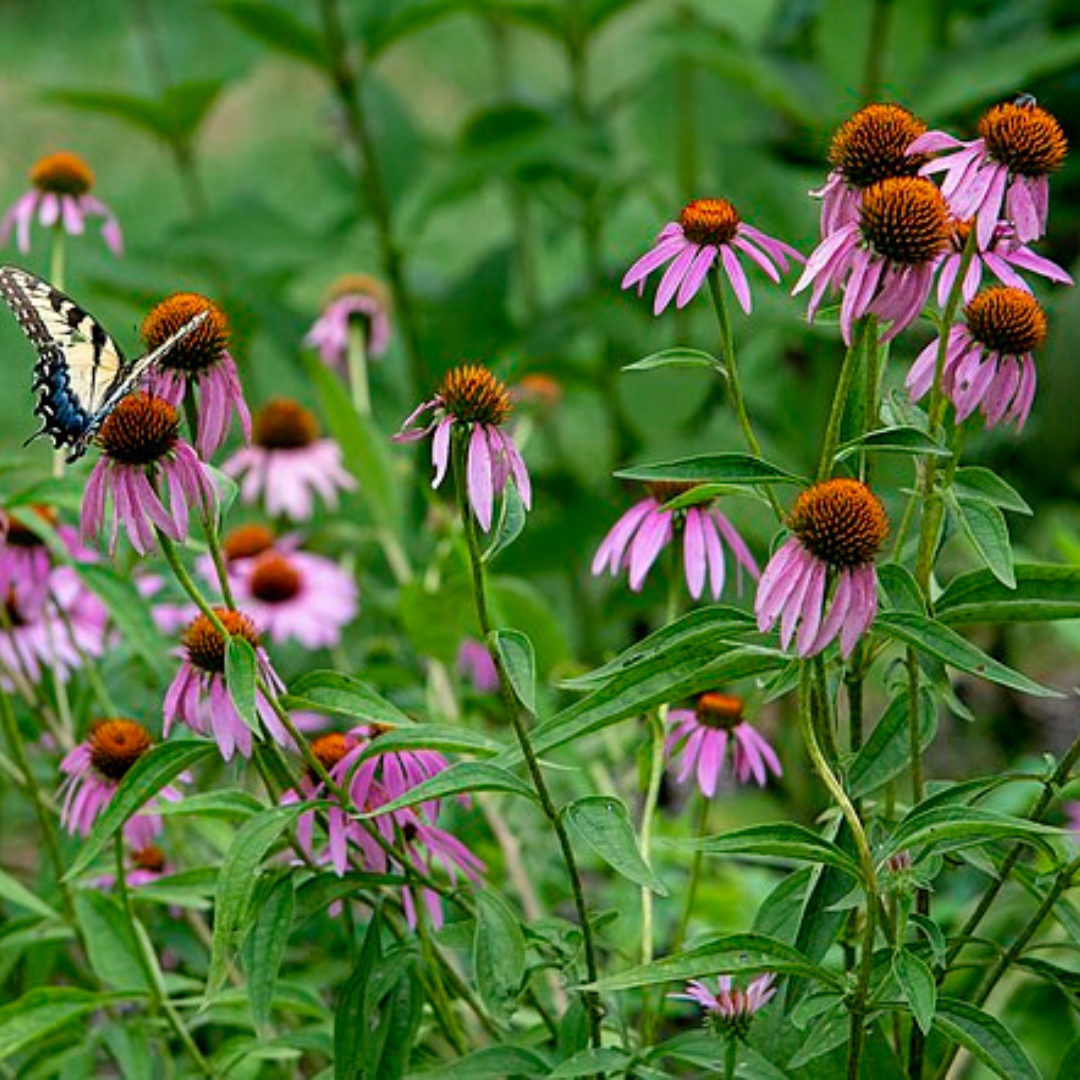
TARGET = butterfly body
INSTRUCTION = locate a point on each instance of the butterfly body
(81, 375)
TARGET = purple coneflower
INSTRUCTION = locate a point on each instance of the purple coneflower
(144, 464)
(60, 196)
(869, 147)
(988, 364)
(93, 771)
(730, 1010)
(708, 229)
(639, 536)
(885, 261)
(704, 733)
(288, 464)
(476, 404)
(355, 299)
(199, 697)
(474, 663)
(296, 596)
(839, 526)
(25, 559)
(1003, 257)
(428, 847)
(1006, 169)
(201, 362)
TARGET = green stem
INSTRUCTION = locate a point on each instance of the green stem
(864, 338)
(731, 372)
(731, 1057)
(701, 825)
(513, 714)
(358, 368)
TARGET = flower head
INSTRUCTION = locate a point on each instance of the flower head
(704, 733)
(1004, 173)
(839, 526)
(59, 196)
(639, 536)
(869, 147)
(988, 361)
(93, 771)
(288, 463)
(885, 261)
(199, 696)
(730, 1011)
(25, 558)
(707, 230)
(147, 472)
(477, 404)
(201, 360)
(354, 300)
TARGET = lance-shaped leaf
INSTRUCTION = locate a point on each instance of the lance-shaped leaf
(461, 778)
(1043, 592)
(727, 468)
(603, 822)
(987, 1039)
(894, 440)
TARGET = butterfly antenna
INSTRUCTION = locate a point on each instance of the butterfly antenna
(43, 430)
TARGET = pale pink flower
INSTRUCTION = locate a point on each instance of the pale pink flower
(355, 299)
(731, 1010)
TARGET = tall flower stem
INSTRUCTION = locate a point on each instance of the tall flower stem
(513, 714)
(731, 373)
(864, 340)
(159, 1001)
(859, 1004)
(356, 355)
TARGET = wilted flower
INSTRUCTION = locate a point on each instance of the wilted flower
(1006, 169)
(355, 299)
(885, 261)
(144, 462)
(869, 147)
(200, 361)
(707, 230)
(60, 196)
(839, 527)
(988, 363)
(730, 1011)
(93, 772)
(477, 404)
(288, 463)
(199, 696)
(475, 663)
(639, 536)
(704, 732)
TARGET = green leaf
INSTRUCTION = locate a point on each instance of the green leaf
(985, 1038)
(728, 468)
(110, 946)
(930, 636)
(335, 694)
(510, 525)
(518, 662)
(241, 668)
(1043, 593)
(154, 770)
(319, 892)
(603, 822)
(498, 954)
(782, 840)
(934, 935)
(678, 357)
(901, 588)
(269, 939)
(277, 28)
(448, 738)
(917, 985)
(461, 778)
(15, 892)
(985, 527)
(211, 804)
(495, 1063)
(887, 753)
(353, 1027)
(826, 1033)
(733, 954)
(144, 113)
(975, 482)
(597, 1061)
(39, 1013)
(893, 440)
(947, 828)
(236, 887)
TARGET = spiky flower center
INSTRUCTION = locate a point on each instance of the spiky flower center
(284, 424)
(871, 146)
(62, 173)
(115, 745)
(200, 349)
(20, 534)
(1006, 320)
(247, 541)
(140, 430)
(331, 749)
(709, 221)
(275, 580)
(472, 395)
(204, 645)
(1024, 137)
(841, 522)
(663, 491)
(150, 858)
(905, 220)
(360, 285)
(721, 711)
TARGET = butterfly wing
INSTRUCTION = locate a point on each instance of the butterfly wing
(79, 365)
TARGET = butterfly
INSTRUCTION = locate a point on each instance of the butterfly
(80, 375)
